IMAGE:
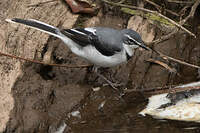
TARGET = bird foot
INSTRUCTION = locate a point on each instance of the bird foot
(113, 85)
(110, 83)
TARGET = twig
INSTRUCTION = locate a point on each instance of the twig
(181, 2)
(194, 7)
(154, 4)
(153, 12)
(149, 89)
(175, 23)
(165, 37)
(159, 8)
(172, 90)
(182, 12)
(176, 60)
(165, 89)
(39, 62)
(172, 70)
(41, 3)
(122, 1)
(165, 57)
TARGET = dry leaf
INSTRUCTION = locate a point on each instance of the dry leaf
(80, 6)
(172, 70)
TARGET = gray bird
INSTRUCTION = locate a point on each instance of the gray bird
(103, 47)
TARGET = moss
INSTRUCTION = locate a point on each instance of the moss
(149, 16)
(130, 11)
(159, 19)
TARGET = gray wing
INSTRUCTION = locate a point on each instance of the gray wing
(110, 41)
(106, 40)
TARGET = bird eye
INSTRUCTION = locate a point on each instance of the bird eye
(130, 40)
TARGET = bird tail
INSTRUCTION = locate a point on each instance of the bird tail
(37, 25)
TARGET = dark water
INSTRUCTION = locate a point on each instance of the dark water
(121, 116)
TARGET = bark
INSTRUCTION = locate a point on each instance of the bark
(19, 80)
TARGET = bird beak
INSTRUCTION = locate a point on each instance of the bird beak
(142, 45)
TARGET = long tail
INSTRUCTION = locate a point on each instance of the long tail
(37, 25)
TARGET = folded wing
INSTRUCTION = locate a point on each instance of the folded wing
(90, 36)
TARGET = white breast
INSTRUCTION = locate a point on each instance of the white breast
(95, 57)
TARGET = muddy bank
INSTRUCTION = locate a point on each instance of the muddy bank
(39, 98)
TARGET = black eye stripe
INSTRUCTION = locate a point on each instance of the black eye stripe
(133, 41)
(130, 39)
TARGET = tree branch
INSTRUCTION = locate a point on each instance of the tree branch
(39, 62)
(153, 12)
(181, 2)
(191, 15)
(166, 37)
(176, 60)
(159, 7)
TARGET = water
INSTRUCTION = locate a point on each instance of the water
(121, 116)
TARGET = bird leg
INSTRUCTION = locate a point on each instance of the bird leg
(113, 85)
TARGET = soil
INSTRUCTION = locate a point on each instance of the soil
(38, 98)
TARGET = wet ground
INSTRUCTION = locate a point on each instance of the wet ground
(46, 97)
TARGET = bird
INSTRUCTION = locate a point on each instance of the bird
(101, 46)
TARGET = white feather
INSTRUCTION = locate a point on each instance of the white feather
(92, 30)
(9, 20)
(42, 23)
(78, 31)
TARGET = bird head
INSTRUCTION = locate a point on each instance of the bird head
(133, 40)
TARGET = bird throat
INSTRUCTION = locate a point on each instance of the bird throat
(128, 56)
(128, 50)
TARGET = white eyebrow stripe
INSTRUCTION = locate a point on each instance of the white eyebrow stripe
(78, 31)
(133, 39)
(92, 30)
